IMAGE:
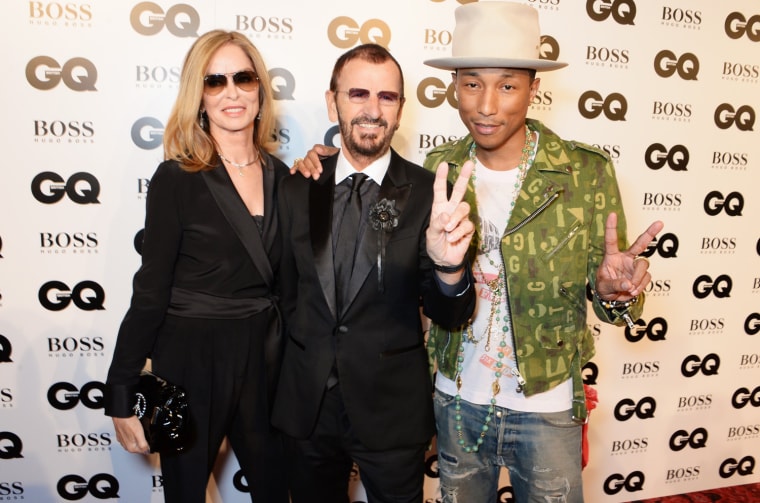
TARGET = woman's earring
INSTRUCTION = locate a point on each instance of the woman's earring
(201, 119)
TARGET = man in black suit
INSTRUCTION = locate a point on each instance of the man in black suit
(355, 383)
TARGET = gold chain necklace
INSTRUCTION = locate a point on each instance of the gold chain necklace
(239, 166)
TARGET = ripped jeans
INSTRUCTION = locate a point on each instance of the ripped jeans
(541, 451)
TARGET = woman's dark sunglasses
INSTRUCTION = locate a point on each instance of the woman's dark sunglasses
(247, 80)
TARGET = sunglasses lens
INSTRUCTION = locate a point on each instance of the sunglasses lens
(358, 95)
(247, 80)
(213, 84)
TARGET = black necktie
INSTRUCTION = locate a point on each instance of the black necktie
(348, 231)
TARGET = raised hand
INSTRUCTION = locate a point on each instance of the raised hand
(450, 231)
(623, 275)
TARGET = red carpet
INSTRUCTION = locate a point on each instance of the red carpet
(749, 493)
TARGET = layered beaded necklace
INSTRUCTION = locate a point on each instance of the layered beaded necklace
(498, 288)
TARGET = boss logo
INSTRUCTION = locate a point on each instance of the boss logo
(622, 11)
(281, 136)
(614, 151)
(591, 105)
(10, 445)
(707, 324)
(605, 55)
(635, 444)
(667, 64)
(658, 287)
(86, 295)
(685, 16)
(731, 467)
(737, 26)
(432, 92)
(542, 99)
(440, 38)
(72, 344)
(13, 490)
(75, 487)
(82, 188)
(748, 431)
(181, 20)
(66, 396)
(669, 110)
(743, 117)
(427, 141)
(60, 129)
(732, 204)
(60, 12)
(269, 25)
(157, 74)
(689, 402)
(680, 439)
(627, 408)
(632, 482)
(66, 240)
(741, 71)
(343, 32)
(688, 472)
(641, 368)
(147, 133)
(735, 159)
(704, 286)
(82, 440)
(744, 396)
(749, 360)
(655, 330)
(78, 74)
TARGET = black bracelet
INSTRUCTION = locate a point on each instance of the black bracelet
(450, 269)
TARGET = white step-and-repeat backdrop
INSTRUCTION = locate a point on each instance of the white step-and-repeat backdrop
(670, 89)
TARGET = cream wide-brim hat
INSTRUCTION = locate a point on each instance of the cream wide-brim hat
(496, 35)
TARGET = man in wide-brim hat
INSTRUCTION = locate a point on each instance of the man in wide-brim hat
(509, 391)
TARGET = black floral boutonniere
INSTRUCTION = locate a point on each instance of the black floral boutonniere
(383, 217)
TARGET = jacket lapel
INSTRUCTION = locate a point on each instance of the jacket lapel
(395, 186)
(236, 213)
(321, 197)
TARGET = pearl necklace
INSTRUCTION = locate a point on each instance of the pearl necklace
(238, 165)
(498, 288)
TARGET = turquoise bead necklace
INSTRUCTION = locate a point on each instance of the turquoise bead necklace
(498, 288)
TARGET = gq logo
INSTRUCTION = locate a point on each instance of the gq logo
(181, 20)
(692, 365)
(87, 296)
(715, 202)
(737, 26)
(82, 188)
(78, 74)
(697, 439)
(666, 246)
(744, 396)
(657, 155)
(751, 327)
(622, 11)
(10, 445)
(726, 116)
(147, 133)
(627, 408)
(66, 396)
(743, 467)
(591, 105)
(632, 482)
(5, 349)
(432, 92)
(655, 330)
(667, 64)
(704, 286)
(75, 487)
(549, 48)
(343, 32)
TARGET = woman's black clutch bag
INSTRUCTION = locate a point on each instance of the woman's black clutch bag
(162, 409)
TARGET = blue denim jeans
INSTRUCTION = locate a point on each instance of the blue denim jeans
(541, 451)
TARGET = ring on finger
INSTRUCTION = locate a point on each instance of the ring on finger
(640, 257)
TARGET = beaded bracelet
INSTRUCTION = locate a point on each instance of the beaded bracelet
(615, 304)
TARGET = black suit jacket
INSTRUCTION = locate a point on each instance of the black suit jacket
(377, 342)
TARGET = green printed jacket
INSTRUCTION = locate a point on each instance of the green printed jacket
(552, 246)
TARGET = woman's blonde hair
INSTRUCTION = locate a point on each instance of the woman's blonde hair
(184, 139)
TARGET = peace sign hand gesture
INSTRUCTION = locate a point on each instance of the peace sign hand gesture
(450, 231)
